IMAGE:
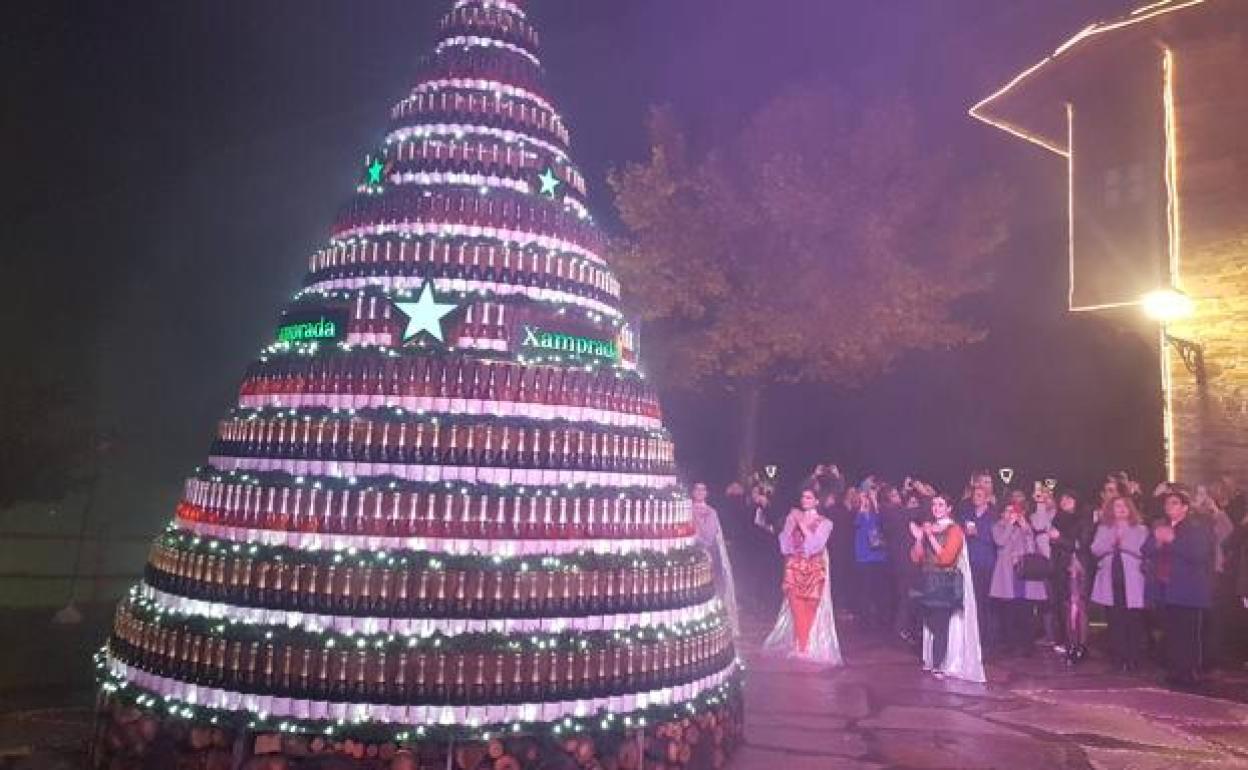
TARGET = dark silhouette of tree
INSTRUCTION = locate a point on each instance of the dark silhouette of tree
(819, 243)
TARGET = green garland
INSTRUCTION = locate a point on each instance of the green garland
(393, 483)
(282, 479)
(312, 299)
(187, 541)
(397, 415)
(303, 350)
(726, 694)
(148, 611)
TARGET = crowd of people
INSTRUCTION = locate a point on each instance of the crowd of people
(996, 570)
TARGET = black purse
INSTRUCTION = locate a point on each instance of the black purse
(940, 589)
(1033, 565)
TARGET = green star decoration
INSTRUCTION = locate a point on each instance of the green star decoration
(375, 169)
(425, 314)
(550, 183)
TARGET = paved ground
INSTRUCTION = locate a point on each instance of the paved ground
(882, 712)
(879, 712)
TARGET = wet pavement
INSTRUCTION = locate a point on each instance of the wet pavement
(880, 711)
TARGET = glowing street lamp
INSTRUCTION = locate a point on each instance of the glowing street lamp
(1167, 305)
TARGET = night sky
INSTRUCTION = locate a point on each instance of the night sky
(170, 166)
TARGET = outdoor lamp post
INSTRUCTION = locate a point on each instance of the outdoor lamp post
(1167, 306)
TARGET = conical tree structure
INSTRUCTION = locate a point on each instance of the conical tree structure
(444, 508)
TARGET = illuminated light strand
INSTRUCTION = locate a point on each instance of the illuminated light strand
(298, 708)
(502, 5)
(325, 257)
(1135, 17)
(462, 130)
(480, 181)
(627, 364)
(423, 627)
(428, 405)
(1167, 410)
(475, 41)
(117, 689)
(495, 344)
(482, 298)
(1174, 233)
(627, 361)
(978, 111)
(577, 207)
(673, 494)
(484, 184)
(1070, 203)
(1173, 203)
(522, 163)
(482, 84)
(446, 230)
(471, 291)
(1149, 7)
(492, 103)
(424, 472)
(565, 633)
(187, 543)
(212, 508)
(486, 289)
(1106, 306)
(178, 550)
(450, 727)
(446, 206)
(487, 546)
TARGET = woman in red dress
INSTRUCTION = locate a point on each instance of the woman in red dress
(806, 628)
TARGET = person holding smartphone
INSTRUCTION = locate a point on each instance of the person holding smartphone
(870, 562)
(1019, 597)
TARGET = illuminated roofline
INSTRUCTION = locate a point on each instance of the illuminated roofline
(979, 110)
(1105, 306)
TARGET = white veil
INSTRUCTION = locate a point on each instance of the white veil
(711, 536)
(963, 657)
(727, 588)
(823, 646)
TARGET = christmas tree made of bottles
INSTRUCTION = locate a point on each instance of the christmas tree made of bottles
(442, 523)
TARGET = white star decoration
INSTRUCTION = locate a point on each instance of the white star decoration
(425, 314)
(550, 183)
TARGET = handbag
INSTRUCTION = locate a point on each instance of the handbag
(940, 589)
(1033, 566)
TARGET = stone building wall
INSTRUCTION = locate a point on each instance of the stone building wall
(1211, 106)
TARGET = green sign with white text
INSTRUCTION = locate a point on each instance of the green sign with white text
(534, 338)
(313, 327)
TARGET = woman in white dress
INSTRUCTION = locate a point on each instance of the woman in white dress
(806, 627)
(950, 622)
(711, 537)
